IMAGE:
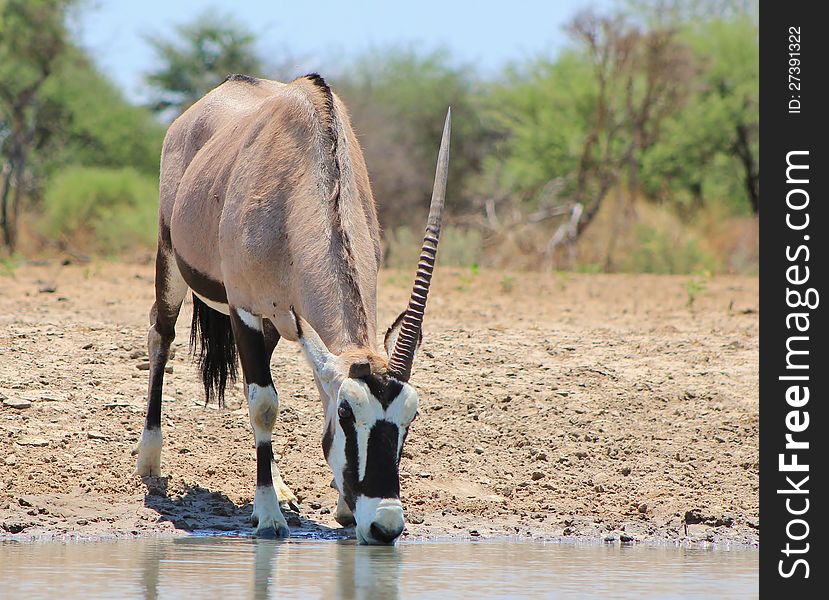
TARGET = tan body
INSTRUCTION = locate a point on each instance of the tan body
(246, 187)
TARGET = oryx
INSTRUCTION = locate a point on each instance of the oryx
(267, 215)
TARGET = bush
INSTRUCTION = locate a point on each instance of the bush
(101, 210)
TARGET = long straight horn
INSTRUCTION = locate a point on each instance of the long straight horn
(400, 362)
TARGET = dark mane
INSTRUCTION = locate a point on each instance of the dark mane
(340, 239)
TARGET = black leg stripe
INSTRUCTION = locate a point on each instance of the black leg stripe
(264, 456)
(253, 351)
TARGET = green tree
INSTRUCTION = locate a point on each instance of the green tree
(397, 98)
(90, 122)
(198, 58)
(33, 37)
(710, 150)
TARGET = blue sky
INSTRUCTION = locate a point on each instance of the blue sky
(320, 33)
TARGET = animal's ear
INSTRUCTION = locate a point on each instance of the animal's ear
(359, 369)
(314, 349)
(391, 334)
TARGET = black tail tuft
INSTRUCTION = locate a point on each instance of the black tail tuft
(214, 350)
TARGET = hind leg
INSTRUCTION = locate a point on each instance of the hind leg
(169, 294)
(263, 405)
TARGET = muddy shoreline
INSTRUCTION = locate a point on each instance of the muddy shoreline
(585, 407)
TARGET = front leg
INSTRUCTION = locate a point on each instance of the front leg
(263, 405)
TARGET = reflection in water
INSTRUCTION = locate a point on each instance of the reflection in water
(367, 572)
(153, 553)
(212, 567)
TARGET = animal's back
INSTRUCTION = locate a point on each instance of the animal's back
(258, 179)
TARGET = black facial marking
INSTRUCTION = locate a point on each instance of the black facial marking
(381, 478)
(327, 440)
(202, 284)
(264, 457)
(359, 369)
(350, 471)
(383, 387)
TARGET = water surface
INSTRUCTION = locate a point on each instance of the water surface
(215, 567)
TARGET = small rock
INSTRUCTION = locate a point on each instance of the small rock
(95, 435)
(18, 403)
(143, 366)
(642, 508)
(32, 441)
(625, 471)
(474, 532)
(11, 460)
(625, 538)
(47, 289)
(415, 518)
(315, 505)
(479, 450)
(168, 368)
(86, 347)
(137, 354)
(325, 511)
(610, 538)
(24, 502)
(538, 475)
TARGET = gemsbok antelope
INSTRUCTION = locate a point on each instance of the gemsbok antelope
(267, 215)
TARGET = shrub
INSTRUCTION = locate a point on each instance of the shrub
(101, 210)
(458, 247)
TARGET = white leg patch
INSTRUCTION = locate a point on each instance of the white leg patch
(250, 320)
(267, 513)
(263, 406)
(149, 453)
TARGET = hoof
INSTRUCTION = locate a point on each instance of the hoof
(267, 518)
(345, 520)
(149, 454)
(272, 533)
(343, 514)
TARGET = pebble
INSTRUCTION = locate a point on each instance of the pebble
(538, 475)
(642, 508)
(32, 441)
(625, 538)
(18, 403)
(95, 435)
(11, 460)
(143, 366)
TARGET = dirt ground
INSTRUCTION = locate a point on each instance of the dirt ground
(599, 407)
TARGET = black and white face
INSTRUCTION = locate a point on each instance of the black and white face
(368, 416)
(362, 444)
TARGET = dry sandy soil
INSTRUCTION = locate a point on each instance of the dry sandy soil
(599, 407)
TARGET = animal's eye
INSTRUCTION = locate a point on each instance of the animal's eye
(345, 411)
